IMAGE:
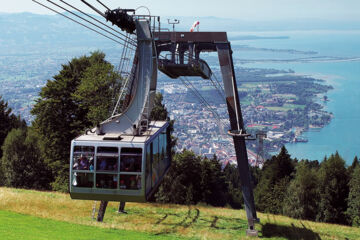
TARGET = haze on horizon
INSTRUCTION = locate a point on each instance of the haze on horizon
(247, 10)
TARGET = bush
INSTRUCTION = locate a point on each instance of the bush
(22, 162)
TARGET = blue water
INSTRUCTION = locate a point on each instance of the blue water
(343, 133)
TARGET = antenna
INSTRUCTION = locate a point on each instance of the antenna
(175, 21)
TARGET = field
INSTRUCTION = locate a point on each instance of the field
(286, 107)
(27, 214)
(19, 226)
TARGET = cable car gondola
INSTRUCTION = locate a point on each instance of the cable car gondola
(122, 168)
(125, 157)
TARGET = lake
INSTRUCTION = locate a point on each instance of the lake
(342, 71)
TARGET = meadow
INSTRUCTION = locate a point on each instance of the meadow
(29, 214)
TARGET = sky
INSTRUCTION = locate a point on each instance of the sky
(249, 10)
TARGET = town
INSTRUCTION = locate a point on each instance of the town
(280, 103)
(268, 103)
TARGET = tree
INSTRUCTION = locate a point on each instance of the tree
(192, 179)
(333, 187)
(22, 162)
(8, 121)
(302, 196)
(213, 185)
(97, 90)
(353, 211)
(77, 98)
(159, 111)
(274, 180)
(182, 183)
(354, 164)
(234, 196)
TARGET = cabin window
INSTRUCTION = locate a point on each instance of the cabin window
(109, 181)
(165, 136)
(130, 182)
(155, 162)
(148, 167)
(83, 158)
(80, 179)
(131, 160)
(162, 152)
(107, 159)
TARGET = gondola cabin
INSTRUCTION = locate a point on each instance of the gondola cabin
(119, 167)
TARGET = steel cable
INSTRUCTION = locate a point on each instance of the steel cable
(203, 101)
(78, 22)
(88, 15)
(88, 21)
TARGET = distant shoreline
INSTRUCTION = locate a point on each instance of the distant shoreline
(275, 50)
(254, 37)
(298, 60)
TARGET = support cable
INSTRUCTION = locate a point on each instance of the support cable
(78, 22)
(123, 85)
(218, 89)
(203, 101)
(126, 84)
(103, 5)
(93, 8)
(217, 86)
(88, 15)
(86, 20)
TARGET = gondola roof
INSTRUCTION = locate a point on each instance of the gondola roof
(154, 127)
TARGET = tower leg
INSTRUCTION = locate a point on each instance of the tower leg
(122, 207)
(245, 179)
(237, 124)
(102, 209)
(93, 210)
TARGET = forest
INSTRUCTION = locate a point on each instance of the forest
(82, 94)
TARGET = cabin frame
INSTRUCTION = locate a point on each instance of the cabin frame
(90, 184)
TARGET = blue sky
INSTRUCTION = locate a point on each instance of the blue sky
(249, 10)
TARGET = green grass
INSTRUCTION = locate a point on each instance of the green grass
(286, 107)
(285, 95)
(20, 226)
(248, 85)
(246, 101)
(28, 214)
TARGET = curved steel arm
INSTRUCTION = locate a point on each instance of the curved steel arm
(145, 81)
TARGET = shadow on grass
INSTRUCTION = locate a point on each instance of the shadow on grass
(193, 218)
(186, 222)
(162, 219)
(289, 232)
(237, 223)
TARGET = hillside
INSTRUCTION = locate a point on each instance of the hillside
(27, 214)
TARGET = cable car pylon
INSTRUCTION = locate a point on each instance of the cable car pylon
(187, 46)
(126, 157)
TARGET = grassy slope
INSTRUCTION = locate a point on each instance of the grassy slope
(19, 226)
(143, 221)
